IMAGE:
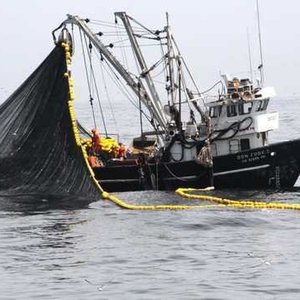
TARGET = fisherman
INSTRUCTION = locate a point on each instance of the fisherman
(236, 83)
(122, 151)
(96, 141)
(128, 152)
(115, 151)
(94, 161)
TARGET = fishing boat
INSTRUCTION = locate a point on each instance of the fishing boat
(222, 142)
(183, 140)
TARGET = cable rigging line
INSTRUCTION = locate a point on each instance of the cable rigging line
(141, 25)
(188, 71)
(122, 87)
(212, 87)
(87, 78)
(108, 97)
(123, 54)
(114, 24)
(116, 80)
(95, 84)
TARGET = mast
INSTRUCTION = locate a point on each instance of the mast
(142, 63)
(261, 66)
(170, 61)
(141, 92)
(250, 56)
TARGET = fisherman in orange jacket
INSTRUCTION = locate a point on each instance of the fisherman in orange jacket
(94, 161)
(122, 151)
(96, 139)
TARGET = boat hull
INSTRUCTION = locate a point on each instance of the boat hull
(153, 176)
(275, 166)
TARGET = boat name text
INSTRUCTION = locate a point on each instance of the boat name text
(253, 156)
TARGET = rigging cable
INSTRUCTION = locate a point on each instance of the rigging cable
(95, 85)
(140, 109)
(186, 67)
(184, 88)
(124, 89)
(87, 78)
(108, 96)
(90, 74)
(163, 54)
(113, 25)
(122, 49)
(154, 125)
(119, 84)
(141, 25)
(218, 82)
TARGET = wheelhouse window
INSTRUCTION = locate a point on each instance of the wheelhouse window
(245, 144)
(239, 145)
(262, 105)
(215, 111)
(231, 110)
(245, 108)
(234, 146)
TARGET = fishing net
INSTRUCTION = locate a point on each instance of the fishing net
(38, 151)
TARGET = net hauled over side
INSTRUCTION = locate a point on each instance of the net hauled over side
(38, 149)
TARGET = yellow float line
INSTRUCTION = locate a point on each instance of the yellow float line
(73, 118)
(184, 192)
(123, 204)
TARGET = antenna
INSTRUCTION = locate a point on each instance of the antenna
(261, 66)
(250, 58)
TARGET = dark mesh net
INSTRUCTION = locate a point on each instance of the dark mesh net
(38, 152)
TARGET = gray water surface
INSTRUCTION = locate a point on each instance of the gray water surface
(105, 252)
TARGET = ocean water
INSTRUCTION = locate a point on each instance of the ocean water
(104, 252)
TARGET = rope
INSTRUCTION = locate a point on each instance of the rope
(93, 79)
(108, 97)
(208, 90)
(123, 88)
(87, 79)
(126, 205)
(217, 202)
(187, 193)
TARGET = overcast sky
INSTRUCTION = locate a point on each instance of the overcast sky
(212, 35)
